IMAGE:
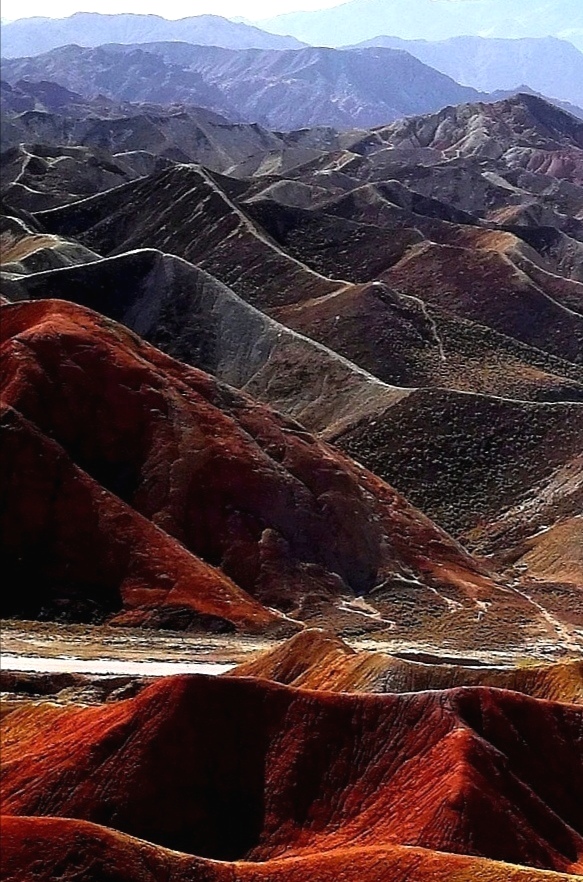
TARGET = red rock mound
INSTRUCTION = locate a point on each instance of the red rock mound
(114, 448)
(240, 769)
(315, 659)
(38, 848)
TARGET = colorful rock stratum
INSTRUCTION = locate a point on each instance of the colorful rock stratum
(312, 399)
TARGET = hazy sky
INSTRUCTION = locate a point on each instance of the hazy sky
(251, 9)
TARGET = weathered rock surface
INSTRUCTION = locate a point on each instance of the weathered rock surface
(184, 211)
(546, 140)
(24, 249)
(74, 551)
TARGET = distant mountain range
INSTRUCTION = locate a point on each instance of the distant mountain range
(545, 65)
(433, 20)
(33, 36)
(548, 65)
(281, 90)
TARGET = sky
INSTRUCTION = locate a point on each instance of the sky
(249, 9)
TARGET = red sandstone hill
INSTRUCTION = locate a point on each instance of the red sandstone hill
(236, 769)
(115, 448)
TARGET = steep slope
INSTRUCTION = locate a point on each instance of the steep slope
(186, 212)
(258, 771)
(327, 239)
(467, 459)
(128, 74)
(400, 340)
(556, 553)
(95, 555)
(410, 335)
(24, 248)
(468, 188)
(37, 177)
(547, 519)
(33, 36)
(193, 317)
(287, 518)
(469, 273)
(525, 131)
(315, 86)
(38, 165)
(458, 281)
(442, 448)
(48, 97)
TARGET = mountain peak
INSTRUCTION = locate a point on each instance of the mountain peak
(26, 37)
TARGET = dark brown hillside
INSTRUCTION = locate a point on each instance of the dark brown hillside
(408, 341)
(38, 177)
(73, 551)
(487, 288)
(45, 846)
(467, 458)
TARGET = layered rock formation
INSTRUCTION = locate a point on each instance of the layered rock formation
(260, 773)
